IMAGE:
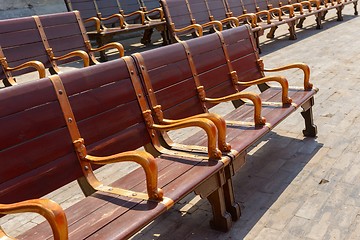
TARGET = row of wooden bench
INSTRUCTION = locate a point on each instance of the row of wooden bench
(66, 125)
(105, 18)
(195, 16)
(44, 42)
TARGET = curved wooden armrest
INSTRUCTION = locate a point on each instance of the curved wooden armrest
(264, 12)
(276, 11)
(78, 53)
(289, 8)
(116, 45)
(255, 98)
(141, 13)
(144, 159)
(300, 6)
(207, 125)
(39, 66)
(316, 2)
(216, 24)
(197, 28)
(118, 16)
(305, 68)
(97, 23)
(280, 79)
(53, 213)
(232, 20)
(217, 120)
(249, 16)
(161, 12)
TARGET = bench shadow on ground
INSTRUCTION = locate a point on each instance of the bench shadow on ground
(309, 30)
(272, 165)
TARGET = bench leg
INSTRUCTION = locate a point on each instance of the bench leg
(324, 14)
(319, 16)
(310, 128)
(212, 190)
(232, 206)
(355, 9)
(292, 31)
(339, 13)
(221, 218)
(300, 23)
(271, 34)
(146, 39)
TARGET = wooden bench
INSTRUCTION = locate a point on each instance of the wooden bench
(187, 79)
(69, 124)
(44, 42)
(104, 19)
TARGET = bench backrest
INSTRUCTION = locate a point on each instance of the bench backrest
(36, 150)
(235, 7)
(199, 11)
(210, 60)
(148, 5)
(87, 9)
(177, 13)
(250, 6)
(21, 42)
(173, 80)
(217, 9)
(170, 75)
(65, 33)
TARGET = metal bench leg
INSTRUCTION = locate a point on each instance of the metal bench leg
(310, 128)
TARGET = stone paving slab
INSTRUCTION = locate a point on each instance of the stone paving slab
(291, 187)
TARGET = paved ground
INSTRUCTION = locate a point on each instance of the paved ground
(291, 187)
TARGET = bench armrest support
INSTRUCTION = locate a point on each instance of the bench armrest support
(78, 53)
(233, 21)
(255, 98)
(264, 12)
(141, 13)
(196, 27)
(249, 17)
(207, 125)
(290, 8)
(216, 119)
(39, 66)
(280, 79)
(161, 13)
(146, 161)
(97, 23)
(115, 45)
(305, 68)
(215, 24)
(53, 213)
